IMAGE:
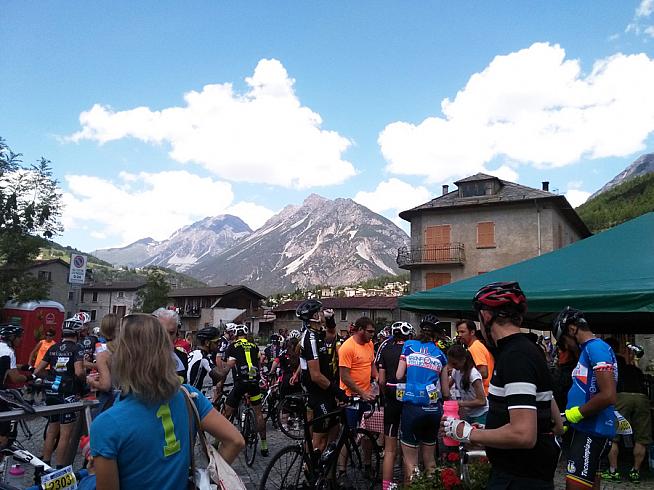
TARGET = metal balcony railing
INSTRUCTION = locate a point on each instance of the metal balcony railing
(449, 253)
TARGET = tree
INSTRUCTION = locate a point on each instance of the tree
(155, 293)
(30, 208)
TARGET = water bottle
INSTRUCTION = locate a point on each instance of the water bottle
(450, 409)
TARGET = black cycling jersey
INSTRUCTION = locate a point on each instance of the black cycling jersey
(388, 358)
(199, 365)
(247, 367)
(223, 344)
(271, 352)
(522, 380)
(333, 344)
(61, 358)
(313, 347)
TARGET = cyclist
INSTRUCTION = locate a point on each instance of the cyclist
(591, 399)
(201, 360)
(333, 341)
(63, 365)
(317, 370)
(243, 359)
(87, 341)
(387, 360)
(426, 385)
(272, 352)
(518, 435)
(10, 338)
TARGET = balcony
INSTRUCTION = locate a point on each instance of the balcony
(449, 253)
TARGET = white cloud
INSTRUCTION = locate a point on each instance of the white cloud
(263, 136)
(643, 11)
(645, 8)
(534, 107)
(393, 195)
(253, 214)
(649, 31)
(505, 173)
(577, 197)
(145, 204)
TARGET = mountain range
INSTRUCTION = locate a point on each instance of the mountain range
(321, 241)
(644, 164)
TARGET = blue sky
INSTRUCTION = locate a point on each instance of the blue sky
(156, 114)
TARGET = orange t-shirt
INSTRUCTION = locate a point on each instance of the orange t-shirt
(482, 357)
(359, 358)
(43, 348)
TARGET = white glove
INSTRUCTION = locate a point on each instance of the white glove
(451, 425)
(328, 313)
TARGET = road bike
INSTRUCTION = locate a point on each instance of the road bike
(353, 461)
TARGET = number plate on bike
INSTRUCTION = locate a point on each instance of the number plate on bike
(60, 479)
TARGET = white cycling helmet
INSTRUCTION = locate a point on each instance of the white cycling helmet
(401, 328)
(230, 327)
(241, 330)
(294, 334)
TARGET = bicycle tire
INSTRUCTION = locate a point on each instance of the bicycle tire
(251, 436)
(285, 471)
(358, 474)
(294, 427)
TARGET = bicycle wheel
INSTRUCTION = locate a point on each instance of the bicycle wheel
(285, 471)
(250, 435)
(362, 469)
(290, 417)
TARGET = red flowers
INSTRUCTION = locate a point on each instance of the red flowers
(452, 457)
(450, 479)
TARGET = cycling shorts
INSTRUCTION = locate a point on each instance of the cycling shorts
(322, 404)
(584, 457)
(62, 418)
(420, 424)
(240, 390)
(392, 415)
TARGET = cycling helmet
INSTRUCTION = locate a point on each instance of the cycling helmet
(638, 350)
(566, 317)
(401, 328)
(73, 325)
(96, 331)
(430, 322)
(8, 330)
(241, 330)
(230, 327)
(207, 334)
(307, 309)
(294, 334)
(501, 296)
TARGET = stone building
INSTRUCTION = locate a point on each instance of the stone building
(485, 224)
(55, 273)
(118, 297)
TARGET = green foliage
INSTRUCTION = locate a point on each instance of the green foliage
(52, 250)
(154, 294)
(446, 478)
(622, 203)
(381, 281)
(30, 208)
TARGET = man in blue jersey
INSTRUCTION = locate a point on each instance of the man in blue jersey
(591, 398)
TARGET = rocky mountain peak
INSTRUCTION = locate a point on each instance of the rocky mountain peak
(644, 164)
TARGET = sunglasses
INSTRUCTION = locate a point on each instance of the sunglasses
(371, 332)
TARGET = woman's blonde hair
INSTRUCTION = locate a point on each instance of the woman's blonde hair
(142, 362)
(109, 326)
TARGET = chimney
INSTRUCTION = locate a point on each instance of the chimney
(546, 185)
(445, 189)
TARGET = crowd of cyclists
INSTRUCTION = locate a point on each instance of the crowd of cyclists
(499, 378)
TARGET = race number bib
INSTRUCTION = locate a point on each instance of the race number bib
(60, 480)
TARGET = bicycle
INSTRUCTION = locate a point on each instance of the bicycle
(290, 412)
(352, 461)
(270, 403)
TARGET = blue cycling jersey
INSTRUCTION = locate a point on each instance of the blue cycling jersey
(424, 363)
(595, 356)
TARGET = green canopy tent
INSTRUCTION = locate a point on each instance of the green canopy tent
(610, 276)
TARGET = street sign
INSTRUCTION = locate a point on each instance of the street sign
(77, 272)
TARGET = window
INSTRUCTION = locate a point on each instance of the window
(95, 297)
(435, 279)
(121, 294)
(45, 276)
(343, 314)
(93, 315)
(71, 295)
(486, 234)
(437, 243)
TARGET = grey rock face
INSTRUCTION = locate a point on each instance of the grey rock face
(644, 164)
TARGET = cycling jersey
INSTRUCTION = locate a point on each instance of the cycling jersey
(424, 363)
(223, 344)
(388, 357)
(288, 364)
(312, 347)
(333, 344)
(521, 380)
(271, 352)
(246, 355)
(61, 359)
(7, 361)
(199, 365)
(595, 356)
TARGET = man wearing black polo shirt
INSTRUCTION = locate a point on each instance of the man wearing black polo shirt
(519, 436)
